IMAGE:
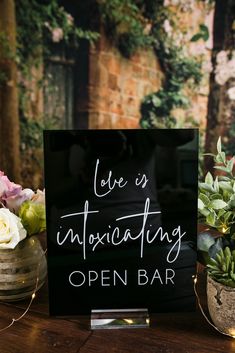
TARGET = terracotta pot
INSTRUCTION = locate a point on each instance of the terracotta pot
(221, 304)
(19, 269)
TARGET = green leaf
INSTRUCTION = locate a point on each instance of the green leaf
(200, 204)
(209, 179)
(196, 37)
(224, 178)
(210, 219)
(205, 212)
(218, 159)
(216, 196)
(227, 252)
(230, 164)
(219, 149)
(204, 199)
(156, 101)
(219, 167)
(205, 241)
(227, 215)
(216, 185)
(221, 213)
(204, 32)
(215, 248)
(206, 187)
(231, 202)
(225, 185)
(209, 154)
(218, 204)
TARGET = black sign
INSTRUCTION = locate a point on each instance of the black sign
(121, 219)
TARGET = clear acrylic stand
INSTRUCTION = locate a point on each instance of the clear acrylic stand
(119, 318)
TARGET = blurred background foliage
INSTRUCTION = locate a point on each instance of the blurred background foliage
(42, 46)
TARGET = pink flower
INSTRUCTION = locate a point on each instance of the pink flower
(7, 187)
(15, 200)
(57, 34)
(11, 194)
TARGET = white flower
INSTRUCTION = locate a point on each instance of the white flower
(178, 38)
(231, 93)
(57, 34)
(222, 76)
(70, 19)
(175, 2)
(222, 57)
(231, 67)
(167, 27)
(39, 197)
(11, 229)
(47, 25)
(207, 67)
(167, 3)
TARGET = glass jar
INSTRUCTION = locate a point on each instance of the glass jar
(22, 270)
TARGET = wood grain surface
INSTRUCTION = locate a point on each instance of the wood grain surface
(169, 333)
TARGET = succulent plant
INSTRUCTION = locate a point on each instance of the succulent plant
(222, 268)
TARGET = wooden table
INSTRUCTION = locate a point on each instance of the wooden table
(170, 333)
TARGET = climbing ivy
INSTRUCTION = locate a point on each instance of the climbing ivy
(133, 25)
(40, 25)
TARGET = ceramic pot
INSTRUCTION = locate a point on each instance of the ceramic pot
(20, 268)
(221, 305)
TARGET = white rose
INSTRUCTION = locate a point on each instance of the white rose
(11, 229)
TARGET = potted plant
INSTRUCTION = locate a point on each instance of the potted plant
(216, 245)
(22, 259)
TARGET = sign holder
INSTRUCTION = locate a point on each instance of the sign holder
(119, 319)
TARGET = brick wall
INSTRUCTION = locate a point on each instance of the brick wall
(111, 88)
(117, 85)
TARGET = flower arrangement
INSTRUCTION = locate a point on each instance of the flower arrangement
(216, 206)
(22, 212)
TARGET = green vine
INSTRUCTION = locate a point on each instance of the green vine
(42, 26)
(179, 69)
(126, 24)
(133, 25)
(41, 23)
